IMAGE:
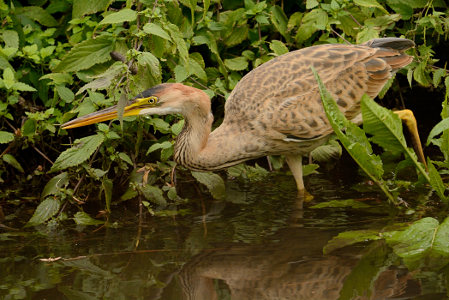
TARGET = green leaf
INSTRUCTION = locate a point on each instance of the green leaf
(368, 33)
(37, 14)
(311, 4)
(125, 157)
(66, 94)
(82, 218)
(280, 20)
(309, 169)
(152, 28)
(179, 42)
(177, 127)
(44, 211)
(23, 87)
(236, 64)
(435, 181)
(58, 78)
(416, 243)
(213, 182)
(6, 137)
(11, 160)
(237, 36)
(437, 129)
(87, 7)
(278, 47)
(347, 238)
(153, 194)
(54, 185)
(370, 3)
(437, 75)
(157, 146)
(354, 141)
(384, 125)
(11, 39)
(86, 54)
(341, 203)
(420, 74)
(79, 153)
(327, 152)
(148, 59)
(123, 15)
(106, 186)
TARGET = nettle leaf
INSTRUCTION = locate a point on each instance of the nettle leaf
(326, 152)
(6, 137)
(237, 36)
(23, 87)
(44, 211)
(435, 181)
(153, 194)
(278, 47)
(438, 129)
(157, 146)
(347, 238)
(55, 184)
(176, 35)
(65, 93)
(11, 39)
(437, 75)
(123, 15)
(370, 3)
(341, 203)
(79, 153)
(425, 241)
(148, 59)
(12, 161)
(87, 7)
(236, 64)
(309, 169)
(82, 218)
(37, 14)
(152, 28)
(213, 182)
(86, 54)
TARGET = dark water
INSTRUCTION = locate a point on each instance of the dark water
(256, 244)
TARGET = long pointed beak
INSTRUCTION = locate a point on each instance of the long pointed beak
(102, 115)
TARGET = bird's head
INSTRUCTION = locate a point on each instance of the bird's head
(162, 99)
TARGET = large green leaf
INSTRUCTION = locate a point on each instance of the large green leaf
(82, 218)
(213, 182)
(86, 54)
(370, 3)
(37, 14)
(354, 141)
(44, 211)
(123, 15)
(6, 137)
(436, 182)
(55, 184)
(424, 242)
(386, 128)
(79, 153)
(11, 160)
(437, 129)
(87, 7)
(236, 64)
(152, 28)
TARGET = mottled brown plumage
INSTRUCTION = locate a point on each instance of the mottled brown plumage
(276, 108)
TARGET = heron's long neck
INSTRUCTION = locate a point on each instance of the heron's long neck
(196, 148)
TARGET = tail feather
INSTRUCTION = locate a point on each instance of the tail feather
(391, 42)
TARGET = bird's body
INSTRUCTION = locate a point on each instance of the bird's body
(275, 109)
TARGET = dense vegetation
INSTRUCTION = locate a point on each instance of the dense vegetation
(61, 59)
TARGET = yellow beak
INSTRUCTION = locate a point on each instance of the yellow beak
(108, 114)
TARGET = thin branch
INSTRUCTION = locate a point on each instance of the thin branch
(42, 154)
(347, 42)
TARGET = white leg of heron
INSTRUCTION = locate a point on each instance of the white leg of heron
(295, 164)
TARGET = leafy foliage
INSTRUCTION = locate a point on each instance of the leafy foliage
(56, 63)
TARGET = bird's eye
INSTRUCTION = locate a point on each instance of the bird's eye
(152, 100)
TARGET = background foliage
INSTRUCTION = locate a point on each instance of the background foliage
(62, 59)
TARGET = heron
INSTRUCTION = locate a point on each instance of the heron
(275, 109)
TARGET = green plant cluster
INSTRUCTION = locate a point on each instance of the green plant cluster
(62, 59)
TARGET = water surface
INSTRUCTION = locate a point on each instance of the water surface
(255, 244)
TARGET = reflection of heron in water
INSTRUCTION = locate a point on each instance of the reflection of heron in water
(275, 109)
(293, 268)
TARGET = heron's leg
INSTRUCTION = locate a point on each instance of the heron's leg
(406, 115)
(295, 164)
